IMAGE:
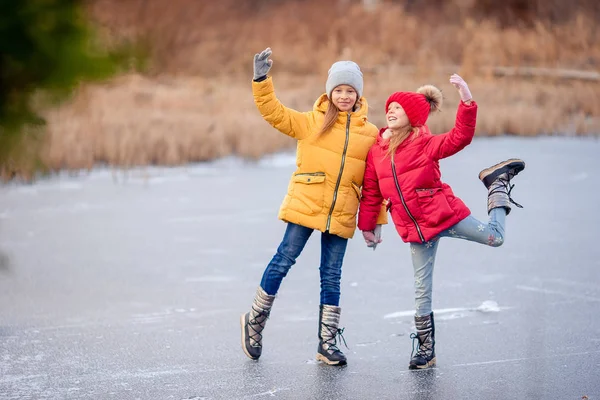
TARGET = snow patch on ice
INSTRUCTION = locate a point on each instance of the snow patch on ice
(488, 306)
(453, 313)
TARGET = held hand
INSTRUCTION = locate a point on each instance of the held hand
(373, 238)
(377, 233)
(462, 87)
(262, 64)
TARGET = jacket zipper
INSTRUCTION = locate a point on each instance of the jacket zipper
(404, 203)
(339, 179)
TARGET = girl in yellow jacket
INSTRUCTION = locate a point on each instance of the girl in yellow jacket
(323, 193)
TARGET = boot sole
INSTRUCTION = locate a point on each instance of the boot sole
(321, 357)
(488, 175)
(243, 325)
(430, 364)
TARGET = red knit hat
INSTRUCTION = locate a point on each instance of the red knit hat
(419, 105)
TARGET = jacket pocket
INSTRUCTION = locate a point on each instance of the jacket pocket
(310, 177)
(434, 206)
(309, 192)
(427, 193)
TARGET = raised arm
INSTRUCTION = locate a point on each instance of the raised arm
(449, 143)
(288, 121)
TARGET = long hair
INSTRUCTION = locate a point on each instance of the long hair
(331, 115)
(409, 132)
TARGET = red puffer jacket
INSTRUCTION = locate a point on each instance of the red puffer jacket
(421, 205)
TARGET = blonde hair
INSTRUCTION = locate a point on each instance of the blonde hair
(331, 115)
(398, 138)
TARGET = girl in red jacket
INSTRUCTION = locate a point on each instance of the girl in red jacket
(403, 167)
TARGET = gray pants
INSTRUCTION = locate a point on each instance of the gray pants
(423, 254)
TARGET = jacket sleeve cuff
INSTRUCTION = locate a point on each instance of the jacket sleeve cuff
(367, 221)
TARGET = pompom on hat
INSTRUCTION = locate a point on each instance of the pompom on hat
(417, 105)
(344, 73)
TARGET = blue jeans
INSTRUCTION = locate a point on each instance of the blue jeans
(333, 249)
(423, 254)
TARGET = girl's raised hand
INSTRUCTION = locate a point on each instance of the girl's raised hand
(462, 87)
(262, 64)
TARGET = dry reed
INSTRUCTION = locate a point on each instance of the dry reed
(195, 102)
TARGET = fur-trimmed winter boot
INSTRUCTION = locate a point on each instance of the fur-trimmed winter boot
(253, 323)
(327, 351)
(425, 337)
(497, 180)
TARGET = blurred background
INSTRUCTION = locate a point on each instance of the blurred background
(121, 277)
(168, 82)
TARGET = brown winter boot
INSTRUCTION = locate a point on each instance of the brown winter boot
(497, 180)
(327, 351)
(425, 337)
(253, 323)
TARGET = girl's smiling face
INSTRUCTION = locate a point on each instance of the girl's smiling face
(344, 97)
(396, 117)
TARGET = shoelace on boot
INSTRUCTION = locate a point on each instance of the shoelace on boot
(507, 187)
(422, 349)
(333, 332)
(259, 319)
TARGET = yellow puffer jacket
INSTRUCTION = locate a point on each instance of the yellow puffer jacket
(324, 191)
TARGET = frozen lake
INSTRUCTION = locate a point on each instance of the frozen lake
(130, 286)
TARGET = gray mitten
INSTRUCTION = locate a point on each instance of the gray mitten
(262, 64)
(377, 233)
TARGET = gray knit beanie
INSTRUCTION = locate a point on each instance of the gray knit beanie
(344, 73)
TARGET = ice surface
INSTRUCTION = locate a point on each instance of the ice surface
(130, 284)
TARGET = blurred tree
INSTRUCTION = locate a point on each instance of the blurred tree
(47, 48)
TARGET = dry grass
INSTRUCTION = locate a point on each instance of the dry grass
(215, 38)
(195, 103)
(140, 121)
